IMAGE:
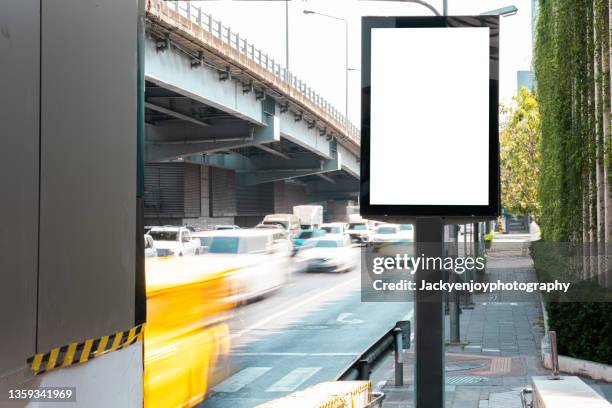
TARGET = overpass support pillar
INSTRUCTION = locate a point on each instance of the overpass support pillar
(336, 211)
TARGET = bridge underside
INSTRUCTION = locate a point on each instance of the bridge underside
(233, 168)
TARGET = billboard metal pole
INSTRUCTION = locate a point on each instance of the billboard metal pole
(429, 316)
(382, 148)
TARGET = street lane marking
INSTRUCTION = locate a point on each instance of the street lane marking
(293, 380)
(297, 354)
(241, 379)
(345, 318)
(290, 309)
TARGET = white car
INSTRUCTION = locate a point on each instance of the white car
(334, 227)
(149, 245)
(385, 234)
(331, 253)
(390, 239)
(171, 240)
(406, 232)
(359, 232)
(258, 259)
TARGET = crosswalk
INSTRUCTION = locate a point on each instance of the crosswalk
(287, 383)
(293, 380)
(241, 379)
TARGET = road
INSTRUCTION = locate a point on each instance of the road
(304, 334)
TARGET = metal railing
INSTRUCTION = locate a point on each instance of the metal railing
(377, 400)
(397, 339)
(233, 39)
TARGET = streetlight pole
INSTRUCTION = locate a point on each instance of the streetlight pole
(346, 71)
(346, 67)
(287, 40)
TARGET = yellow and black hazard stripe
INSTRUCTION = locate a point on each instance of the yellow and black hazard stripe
(76, 353)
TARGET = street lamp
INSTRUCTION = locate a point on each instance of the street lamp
(346, 67)
(503, 12)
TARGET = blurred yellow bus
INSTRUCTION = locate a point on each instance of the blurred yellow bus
(186, 334)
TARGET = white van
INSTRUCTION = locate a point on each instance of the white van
(259, 258)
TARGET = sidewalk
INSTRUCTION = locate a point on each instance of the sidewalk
(500, 348)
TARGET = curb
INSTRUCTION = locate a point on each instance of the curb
(571, 365)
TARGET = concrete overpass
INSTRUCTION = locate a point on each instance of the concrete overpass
(232, 135)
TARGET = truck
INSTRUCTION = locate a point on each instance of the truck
(311, 216)
(289, 222)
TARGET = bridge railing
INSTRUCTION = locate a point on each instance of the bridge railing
(194, 14)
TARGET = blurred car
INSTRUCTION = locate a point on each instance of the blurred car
(290, 222)
(186, 338)
(406, 232)
(282, 240)
(260, 258)
(303, 236)
(226, 227)
(359, 232)
(390, 240)
(149, 245)
(331, 253)
(334, 227)
(171, 240)
(204, 237)
(385, 234)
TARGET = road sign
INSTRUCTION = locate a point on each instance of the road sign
(429, 121)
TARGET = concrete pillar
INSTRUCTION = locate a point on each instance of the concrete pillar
(336, 211)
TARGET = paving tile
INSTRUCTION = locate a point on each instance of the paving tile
(509, 333)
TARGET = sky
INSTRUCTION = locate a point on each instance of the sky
(317, 44)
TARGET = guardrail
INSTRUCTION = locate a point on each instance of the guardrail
(193, 15)
(397, 339)
(377, 400)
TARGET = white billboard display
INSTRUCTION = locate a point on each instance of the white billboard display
(429, 120)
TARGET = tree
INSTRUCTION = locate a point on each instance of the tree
(520, 155)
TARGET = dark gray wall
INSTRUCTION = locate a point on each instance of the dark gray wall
(257, 200)
(19, 125)
(222, 192)
(164, 190)
(286, 196)
(88, 168)
(193, 197)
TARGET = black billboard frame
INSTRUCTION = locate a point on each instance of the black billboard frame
(450, 213)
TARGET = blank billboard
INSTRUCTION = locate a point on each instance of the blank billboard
(431, 120)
